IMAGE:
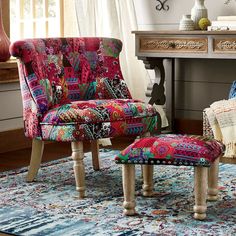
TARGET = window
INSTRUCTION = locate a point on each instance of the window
(36, 18)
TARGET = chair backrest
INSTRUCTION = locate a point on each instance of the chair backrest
(55, 71)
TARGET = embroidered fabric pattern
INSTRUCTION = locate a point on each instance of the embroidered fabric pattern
(172, 149)
(73, 87)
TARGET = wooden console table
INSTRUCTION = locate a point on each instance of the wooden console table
(8, 72)
(152, 47)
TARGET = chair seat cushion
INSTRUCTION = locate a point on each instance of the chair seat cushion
(95, 119)
(171, 149)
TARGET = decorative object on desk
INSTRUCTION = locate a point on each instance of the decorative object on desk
(4, 40)
(204, 23)
(226, 18)
(217, 28)
(186, 23)
(229, 24)
(224, 23)
(162, 5)
(198, 11)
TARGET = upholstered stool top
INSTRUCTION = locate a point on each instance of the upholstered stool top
(172, 149)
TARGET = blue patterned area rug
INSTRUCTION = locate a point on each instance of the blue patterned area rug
(50, 206)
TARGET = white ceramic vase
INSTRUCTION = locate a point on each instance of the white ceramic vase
(186, 23)
(198, 11)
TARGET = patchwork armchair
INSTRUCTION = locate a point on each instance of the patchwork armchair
(73, 90)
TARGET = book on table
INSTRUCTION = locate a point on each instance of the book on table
(226, 18)
(223, 24)
(221, 28)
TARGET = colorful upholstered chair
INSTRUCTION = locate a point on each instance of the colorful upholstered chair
(73, 90)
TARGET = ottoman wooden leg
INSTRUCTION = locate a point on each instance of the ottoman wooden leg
(147, 180)
(200, 191)
(128, 172)
(213, 180)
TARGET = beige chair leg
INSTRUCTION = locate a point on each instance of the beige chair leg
(78, 156)
(147, 180)
(128, 172)
(36, 158)
(95, 154)
(213, 173)
(200, 191)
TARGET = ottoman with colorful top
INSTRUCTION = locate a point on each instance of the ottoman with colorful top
(168, 149)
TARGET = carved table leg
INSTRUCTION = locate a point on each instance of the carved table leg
(170, 92)
(158, 94)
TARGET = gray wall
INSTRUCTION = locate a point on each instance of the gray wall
(198, 82)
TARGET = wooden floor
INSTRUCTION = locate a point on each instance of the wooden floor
(52, 151)
(15, 159)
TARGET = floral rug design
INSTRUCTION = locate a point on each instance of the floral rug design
(50, 206)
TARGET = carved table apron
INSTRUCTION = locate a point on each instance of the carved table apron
(152, 47)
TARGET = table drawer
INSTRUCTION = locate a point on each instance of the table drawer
(224, 45)
(194, 45)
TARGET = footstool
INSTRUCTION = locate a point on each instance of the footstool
(200, 152)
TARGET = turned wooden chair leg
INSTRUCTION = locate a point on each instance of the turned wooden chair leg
(200, 191)
(213, 173)
(128, 172)
(36, 158)
(95, 154)
(147, 180)
(78, 156)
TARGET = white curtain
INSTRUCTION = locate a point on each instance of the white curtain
(115, 18)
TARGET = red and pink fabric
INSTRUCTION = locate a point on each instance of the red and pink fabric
(73, 89)
(172, 149)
